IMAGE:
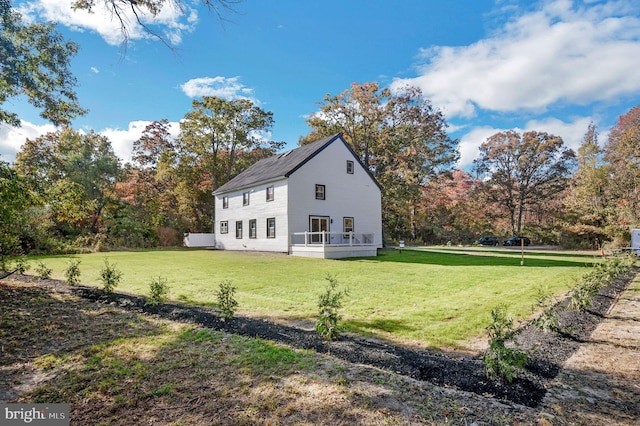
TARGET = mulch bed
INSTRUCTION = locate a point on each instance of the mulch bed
(547, 351)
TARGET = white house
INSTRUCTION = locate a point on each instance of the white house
(317, 200)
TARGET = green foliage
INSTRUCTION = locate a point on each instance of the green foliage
(548, 320)
(43, 271)
(22, 265)
(35, 63)
(503, 361)
(109, 276)
(72, 273)
(159, 290)
(597, 277)
(329, 304)
(226, 299)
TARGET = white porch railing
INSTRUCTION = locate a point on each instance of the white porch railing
(334, 239)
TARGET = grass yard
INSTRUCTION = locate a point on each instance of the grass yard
(437, 297)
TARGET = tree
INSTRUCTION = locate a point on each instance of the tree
(67, 161)
(523, 170)
(215, 134)
(587, 200)
(622, 152)
(15, 198)
(35, 63)
(401, 138)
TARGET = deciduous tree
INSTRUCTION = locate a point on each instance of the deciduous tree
(35, 64)
(622, 152)
(523, 170)
(400, 137)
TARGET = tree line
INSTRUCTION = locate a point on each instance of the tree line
(67, 190)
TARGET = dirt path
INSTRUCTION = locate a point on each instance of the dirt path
(600, 383)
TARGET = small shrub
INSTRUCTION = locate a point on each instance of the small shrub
(548, 320)
(43, 271)
(503, 361)
(22, 265)
(72, 274)
(329, 304)
(159, 289)
(109, 276)
(226, 299)
(599, 276)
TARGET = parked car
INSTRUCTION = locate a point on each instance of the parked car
(488, 241)
(516, 241)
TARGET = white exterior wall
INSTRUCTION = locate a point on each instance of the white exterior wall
(258, 209)
(346, 195)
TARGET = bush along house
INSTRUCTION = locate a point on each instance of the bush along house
(317, 200)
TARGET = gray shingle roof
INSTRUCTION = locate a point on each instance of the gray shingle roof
(278, 166)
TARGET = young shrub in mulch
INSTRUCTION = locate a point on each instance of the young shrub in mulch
(72, 273)
(329, 305)
(43, 271)
(503, 361)
(109, 276)
(548, 320)
(227, 304)
(159, 290)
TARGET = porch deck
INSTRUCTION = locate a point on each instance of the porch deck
(332, 245)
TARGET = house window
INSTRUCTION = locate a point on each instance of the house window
(245, 198)
(350, 167)
(224, 227)
(271, 227)
(320, 192)
(225, 202)
(253, 228)
(270, 193)
(347, 224)
(239, 229)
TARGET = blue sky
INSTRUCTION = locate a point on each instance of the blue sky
(553, 65)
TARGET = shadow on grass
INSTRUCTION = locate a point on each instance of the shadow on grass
(479, 258)
(386, 325)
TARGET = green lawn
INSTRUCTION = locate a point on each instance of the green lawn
(432, 296)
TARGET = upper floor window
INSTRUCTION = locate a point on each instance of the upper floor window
(225, 202)
(253, 228)
(245, 198)
(320, 192)
(224, 227)
(350, 167)
(270, 193)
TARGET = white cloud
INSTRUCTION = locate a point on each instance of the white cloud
(222, 87)
(564, 52)
(95, 70)
(572, 133)
(171, 22)
(122, 140)
(12, 138)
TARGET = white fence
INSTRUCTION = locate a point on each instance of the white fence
(199, 240)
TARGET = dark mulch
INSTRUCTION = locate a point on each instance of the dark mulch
(547, 351)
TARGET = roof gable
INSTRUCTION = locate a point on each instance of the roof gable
(282, 165)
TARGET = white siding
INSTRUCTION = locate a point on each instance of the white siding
(346, 195)
(259, 209)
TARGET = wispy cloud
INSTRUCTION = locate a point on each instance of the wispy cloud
(222, 87)
(572, 52)
(171, 22)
